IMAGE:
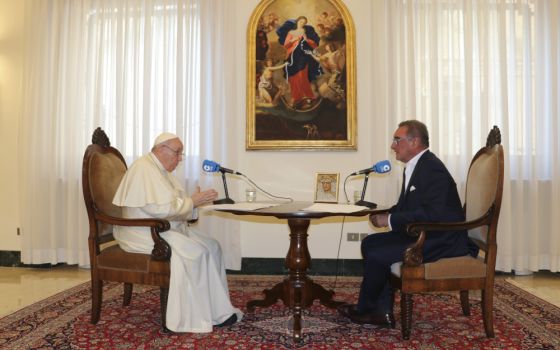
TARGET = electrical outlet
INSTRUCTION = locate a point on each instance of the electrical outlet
(363, 235)
(353, 237)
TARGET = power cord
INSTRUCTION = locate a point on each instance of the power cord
(338, 252)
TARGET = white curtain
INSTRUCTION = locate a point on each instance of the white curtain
(464, 66)
(135, 68)
(218, 100)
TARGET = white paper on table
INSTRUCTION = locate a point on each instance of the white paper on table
(335, 208)
(243, 206)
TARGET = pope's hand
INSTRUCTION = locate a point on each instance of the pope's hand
(201, 197)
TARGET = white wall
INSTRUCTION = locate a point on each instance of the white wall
(11, 57)
(284, 173)
(292, 173)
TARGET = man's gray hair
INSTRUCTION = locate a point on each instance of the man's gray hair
(416, 128)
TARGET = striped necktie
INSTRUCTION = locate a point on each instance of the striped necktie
(400, 202)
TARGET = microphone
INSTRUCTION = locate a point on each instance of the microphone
(211, 167)
(381, 167)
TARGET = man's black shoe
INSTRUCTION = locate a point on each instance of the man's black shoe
(230, 321)
(379, 319)
(345, 309)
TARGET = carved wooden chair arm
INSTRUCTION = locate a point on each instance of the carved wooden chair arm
(413, 254)
(161, 225)
(162, 250)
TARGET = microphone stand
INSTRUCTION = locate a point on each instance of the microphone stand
(362, 202)
(225, 200)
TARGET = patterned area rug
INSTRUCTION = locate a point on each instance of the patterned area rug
(521, 321)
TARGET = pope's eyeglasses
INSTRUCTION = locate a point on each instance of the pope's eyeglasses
(177, 153)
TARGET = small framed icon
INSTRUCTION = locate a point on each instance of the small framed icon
(326, 187)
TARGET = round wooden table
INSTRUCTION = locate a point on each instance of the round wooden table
(297, 290)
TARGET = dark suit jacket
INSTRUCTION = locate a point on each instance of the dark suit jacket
(431, 196)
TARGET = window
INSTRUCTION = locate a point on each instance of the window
(476, 66)
(143, 65)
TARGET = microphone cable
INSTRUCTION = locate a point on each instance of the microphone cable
(344, 188)
(290, 200)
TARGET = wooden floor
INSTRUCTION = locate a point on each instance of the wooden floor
(20, 287)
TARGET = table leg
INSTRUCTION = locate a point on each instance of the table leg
(297, 291)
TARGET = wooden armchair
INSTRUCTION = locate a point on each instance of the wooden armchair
(482, 208)
(102, 171)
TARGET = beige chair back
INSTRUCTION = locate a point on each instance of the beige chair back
(484, 188)
(106, 171)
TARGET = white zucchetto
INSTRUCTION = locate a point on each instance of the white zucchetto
(165, 136)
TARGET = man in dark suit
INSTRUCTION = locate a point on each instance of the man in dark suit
(429, 194)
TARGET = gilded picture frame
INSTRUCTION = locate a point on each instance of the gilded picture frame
(326, 187)
(301, 76)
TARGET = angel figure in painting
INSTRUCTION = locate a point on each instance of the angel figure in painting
(333, 63)
(300, 41)
(268, 91)
(333, 59)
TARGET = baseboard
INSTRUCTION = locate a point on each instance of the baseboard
(13, 259)
(10, 258)
(249, 266)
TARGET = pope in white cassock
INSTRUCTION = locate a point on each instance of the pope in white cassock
(198, 291)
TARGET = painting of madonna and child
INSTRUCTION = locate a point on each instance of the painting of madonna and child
(301, 76)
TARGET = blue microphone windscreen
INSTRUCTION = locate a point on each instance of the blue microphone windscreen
(210, 166)
(383, 166)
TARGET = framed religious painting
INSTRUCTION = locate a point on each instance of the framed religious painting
(326, 188)
(301, 91)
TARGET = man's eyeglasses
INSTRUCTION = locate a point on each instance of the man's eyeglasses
(397, 139)
(177, 153)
